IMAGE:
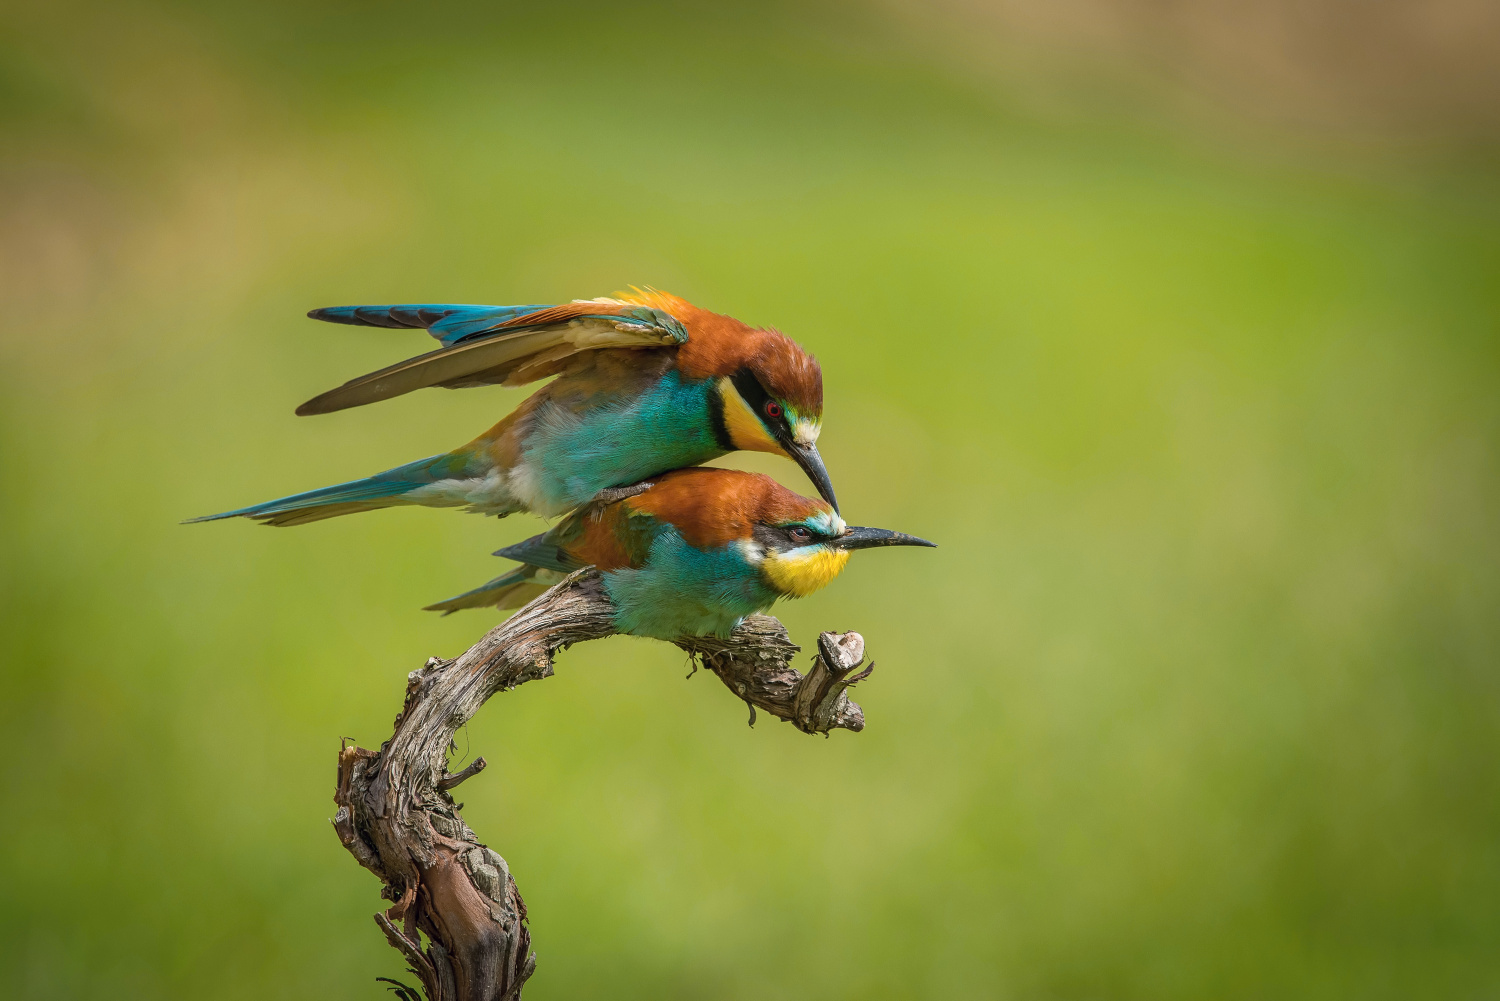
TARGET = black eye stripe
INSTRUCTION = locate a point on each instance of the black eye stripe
(716, 420)
(784, 537)
(801, 535)
(750, 388)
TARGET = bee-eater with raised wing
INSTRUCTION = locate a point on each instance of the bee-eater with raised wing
(692, 553)
(646, 382)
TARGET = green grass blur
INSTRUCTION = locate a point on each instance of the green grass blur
(1198, 698)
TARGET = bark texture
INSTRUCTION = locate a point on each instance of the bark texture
(397, 818)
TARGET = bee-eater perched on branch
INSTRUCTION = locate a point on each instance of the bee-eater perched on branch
(646, 382)
(691, 553)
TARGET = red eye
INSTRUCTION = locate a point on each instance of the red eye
(801, 534)
(773, 409)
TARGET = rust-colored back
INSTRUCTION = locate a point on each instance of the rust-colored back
(720, 345)
(711, 507)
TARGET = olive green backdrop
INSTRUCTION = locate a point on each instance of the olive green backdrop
(1197, 699)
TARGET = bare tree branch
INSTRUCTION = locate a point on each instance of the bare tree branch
(450, 781)
(397, 818)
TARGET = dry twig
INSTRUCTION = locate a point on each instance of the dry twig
(397, 818)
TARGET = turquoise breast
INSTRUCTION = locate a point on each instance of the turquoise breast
(573, 455)
(683, 591)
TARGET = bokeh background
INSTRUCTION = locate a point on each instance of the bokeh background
(1175, 324)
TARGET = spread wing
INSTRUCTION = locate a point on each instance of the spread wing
(486, 345)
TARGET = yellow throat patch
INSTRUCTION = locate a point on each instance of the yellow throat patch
(803, 571)
(746, 431)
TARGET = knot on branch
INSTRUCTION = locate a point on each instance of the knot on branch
(822, 701)
(450, 781)
(755, 664)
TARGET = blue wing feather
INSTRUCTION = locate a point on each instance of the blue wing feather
(484, 345)
(449, 323)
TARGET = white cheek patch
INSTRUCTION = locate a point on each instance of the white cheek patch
(753, 551)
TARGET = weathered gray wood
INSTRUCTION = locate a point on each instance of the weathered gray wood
(398, 819)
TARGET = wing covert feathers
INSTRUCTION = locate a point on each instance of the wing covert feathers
(512, 352)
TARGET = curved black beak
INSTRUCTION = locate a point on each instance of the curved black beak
(811, 462)
(869, 538)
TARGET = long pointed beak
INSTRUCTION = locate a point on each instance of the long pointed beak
(811, 462)
(869, 538)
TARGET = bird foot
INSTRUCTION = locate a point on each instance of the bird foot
(611, 494)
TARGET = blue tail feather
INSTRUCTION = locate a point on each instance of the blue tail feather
(380, 490)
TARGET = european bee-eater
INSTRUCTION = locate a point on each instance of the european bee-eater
(693, 553)
(646, 382)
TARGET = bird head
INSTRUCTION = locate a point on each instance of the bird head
(799, 557)
(798, 543)
(774, 403)
(770, 391)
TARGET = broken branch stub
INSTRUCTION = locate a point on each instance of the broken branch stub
(398, 819)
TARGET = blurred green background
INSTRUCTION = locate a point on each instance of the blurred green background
(1190, 368)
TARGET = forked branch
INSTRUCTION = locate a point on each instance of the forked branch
(398, 819)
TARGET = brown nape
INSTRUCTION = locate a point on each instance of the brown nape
(711, 507)
(720, 345)
(789, 373)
